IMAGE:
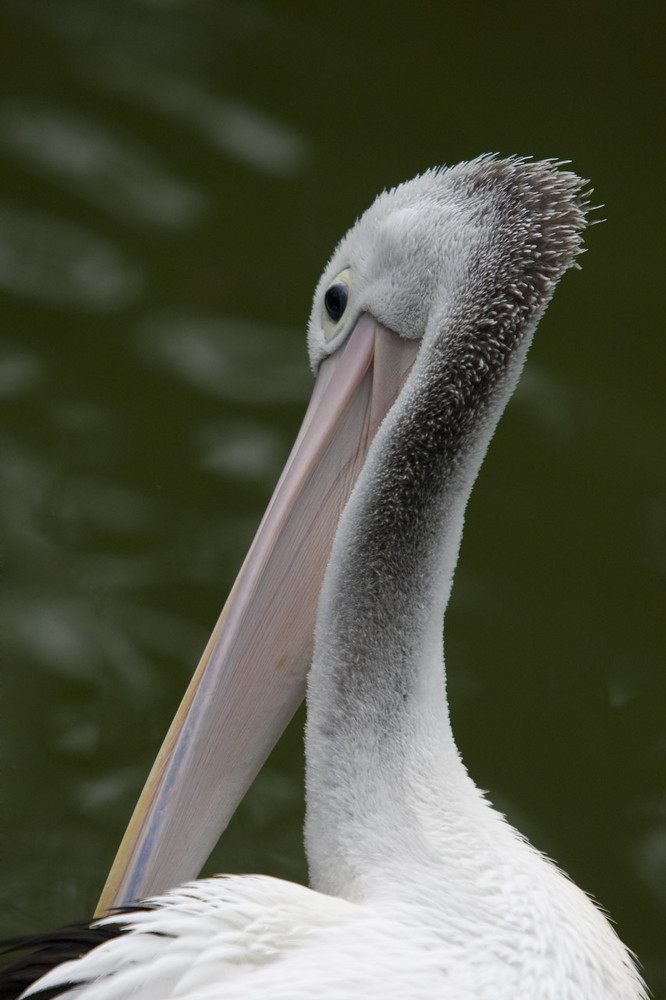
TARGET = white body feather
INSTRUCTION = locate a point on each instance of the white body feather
(254, 937)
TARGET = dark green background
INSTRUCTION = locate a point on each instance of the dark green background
(173, 176)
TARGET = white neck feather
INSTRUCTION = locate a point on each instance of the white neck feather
(384, 776)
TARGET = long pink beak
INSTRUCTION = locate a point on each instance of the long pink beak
(251, 678)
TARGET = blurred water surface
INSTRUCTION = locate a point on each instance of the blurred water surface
(173, 177)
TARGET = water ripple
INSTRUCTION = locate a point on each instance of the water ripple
(20, 372)
(229, 358)
(47, 259)
(242, 450)
(111, 171)
(244, 133)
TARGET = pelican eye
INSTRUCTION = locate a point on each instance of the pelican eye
(336, 299)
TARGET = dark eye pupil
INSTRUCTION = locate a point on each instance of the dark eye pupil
(335, 300)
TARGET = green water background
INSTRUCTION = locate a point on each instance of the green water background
(173, 176)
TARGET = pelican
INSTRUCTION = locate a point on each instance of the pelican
(419, 329)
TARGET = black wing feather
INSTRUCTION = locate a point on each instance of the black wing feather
(46, 951)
